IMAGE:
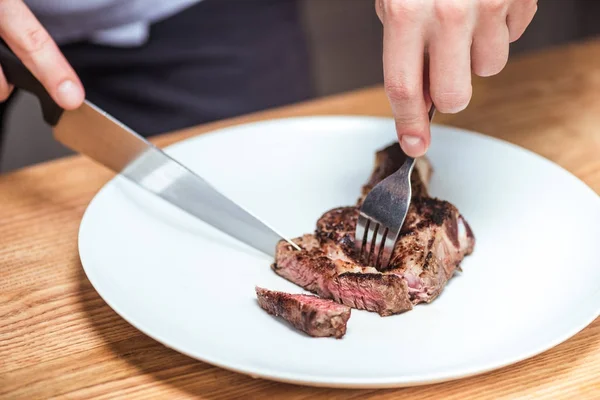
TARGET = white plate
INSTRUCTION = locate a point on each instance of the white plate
(533, 281)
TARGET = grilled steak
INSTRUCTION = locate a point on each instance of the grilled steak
(315, 316)
(339, 279)
(433, 241)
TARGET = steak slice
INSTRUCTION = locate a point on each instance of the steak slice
(310, 314)
(343, 281)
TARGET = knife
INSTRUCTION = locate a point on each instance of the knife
(94, 133)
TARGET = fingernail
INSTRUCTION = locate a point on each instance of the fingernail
(412, 145)
(69, 94)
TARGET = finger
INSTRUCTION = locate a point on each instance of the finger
(403, 44)
(5, 87)
(489, 51)
(40, 54)
(520, 15)
(450, 58)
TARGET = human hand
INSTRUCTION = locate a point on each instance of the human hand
(32, 44)
(459, 37)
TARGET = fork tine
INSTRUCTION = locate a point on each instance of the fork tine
(388, 248)
(381, 239)
(373, 242)
(362, 228)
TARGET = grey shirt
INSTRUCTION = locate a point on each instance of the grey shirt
(110, 22)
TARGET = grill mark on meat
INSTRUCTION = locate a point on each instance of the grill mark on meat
(315, 316)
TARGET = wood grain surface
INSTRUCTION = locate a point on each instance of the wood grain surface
(59, 339)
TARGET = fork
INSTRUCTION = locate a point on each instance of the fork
(382, 214)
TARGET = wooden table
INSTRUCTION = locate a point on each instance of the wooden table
(58, 338)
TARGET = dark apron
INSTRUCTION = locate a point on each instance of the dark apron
(214, 60)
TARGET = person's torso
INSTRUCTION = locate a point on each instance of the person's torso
(111, 22)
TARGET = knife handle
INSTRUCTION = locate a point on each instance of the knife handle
(17, 74)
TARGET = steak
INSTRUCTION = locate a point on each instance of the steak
(315, 316)
(433, 241)
(340, 279)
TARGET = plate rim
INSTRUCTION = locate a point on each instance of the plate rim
(338, 382)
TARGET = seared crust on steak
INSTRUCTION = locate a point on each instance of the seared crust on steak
(433, 241)
(315, 316)
(348, 283)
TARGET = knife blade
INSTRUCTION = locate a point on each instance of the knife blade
(90, 131)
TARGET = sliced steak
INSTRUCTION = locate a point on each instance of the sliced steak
(345, 282)
(433, 241)
(310, 314)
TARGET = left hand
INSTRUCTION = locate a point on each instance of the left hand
(460, 37)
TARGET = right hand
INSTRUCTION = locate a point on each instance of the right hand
(459, 37)
(30, 41)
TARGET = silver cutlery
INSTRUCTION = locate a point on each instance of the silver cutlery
(382, 215)
(92, 132)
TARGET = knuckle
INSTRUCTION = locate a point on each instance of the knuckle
(399, 92)
(412, 126)
(400, 8)
(452, 101)
(35, 40)
(493, 6)
(409, 123)
(455, 11)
